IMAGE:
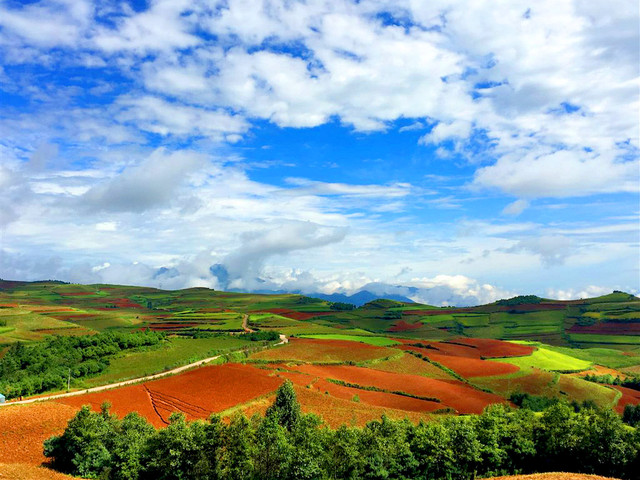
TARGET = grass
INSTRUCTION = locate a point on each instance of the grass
(549, 360)
(602, 356)
(605, 339)
(377, 341)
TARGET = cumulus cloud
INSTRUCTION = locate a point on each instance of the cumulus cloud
(149, 184)
(552, 249)
(242, 268)
(585, 292)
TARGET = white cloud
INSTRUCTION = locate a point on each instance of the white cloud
(552, 249)
(586, 292)
(515, 208)
(150, 184)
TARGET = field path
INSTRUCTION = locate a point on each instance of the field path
(245, 324)
(199, 363)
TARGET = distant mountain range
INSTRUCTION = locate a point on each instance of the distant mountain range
(359, 298)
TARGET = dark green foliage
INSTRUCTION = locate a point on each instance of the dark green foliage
(520, 299)
(536, 403)
(288, 445)
(608, 379)
(37, 368)
(631, 415)
(263, 336)
(342, 306)
(286, 407)
(85, 448)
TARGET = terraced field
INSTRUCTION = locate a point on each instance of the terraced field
(392, 358)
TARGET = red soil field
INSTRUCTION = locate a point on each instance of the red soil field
(9, 305)
(196, 393)
(553, 476)
(319, 350)
(25, 428)
(472, 367)
(489, 348)
(337, 411)
(377, 399)
(609, 328)
(453, 394)
(125, 303)
(22, 471)
(629, 397)
(403, 326)
(285, 312)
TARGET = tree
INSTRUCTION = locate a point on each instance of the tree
(84, 449)
(286, 406)
(128, 446)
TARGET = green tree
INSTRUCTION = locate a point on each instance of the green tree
(84, 449)
(128, 446)
(175, 452)
(286, 406)
(236, 454)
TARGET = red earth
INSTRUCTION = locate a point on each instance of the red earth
(454, 394)
(608, 328)
(403, 326)
(197, 393)
(629, 397)
(472, 367)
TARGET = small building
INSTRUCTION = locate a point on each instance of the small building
(2, 399)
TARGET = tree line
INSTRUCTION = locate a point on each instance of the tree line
(48, 365)
(286, 444)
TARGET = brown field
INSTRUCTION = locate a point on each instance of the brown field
(488, 348)
(473, 367)
(629, 397)
(24, 428)
(403, 326)
(469, 348)
(454, 394)
(23, 471)
(337, 411)
(608, 328)
(197, 393)
(553, 476)
(318, 350)
(599, 370)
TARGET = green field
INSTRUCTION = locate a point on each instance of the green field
(546, 359)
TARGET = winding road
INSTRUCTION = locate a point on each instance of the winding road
(199, 363)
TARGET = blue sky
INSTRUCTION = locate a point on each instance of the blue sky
(454, 152)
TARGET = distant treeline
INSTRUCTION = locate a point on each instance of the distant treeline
(608, 379)
(47, 365)
(286, 444)
(519, 300)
